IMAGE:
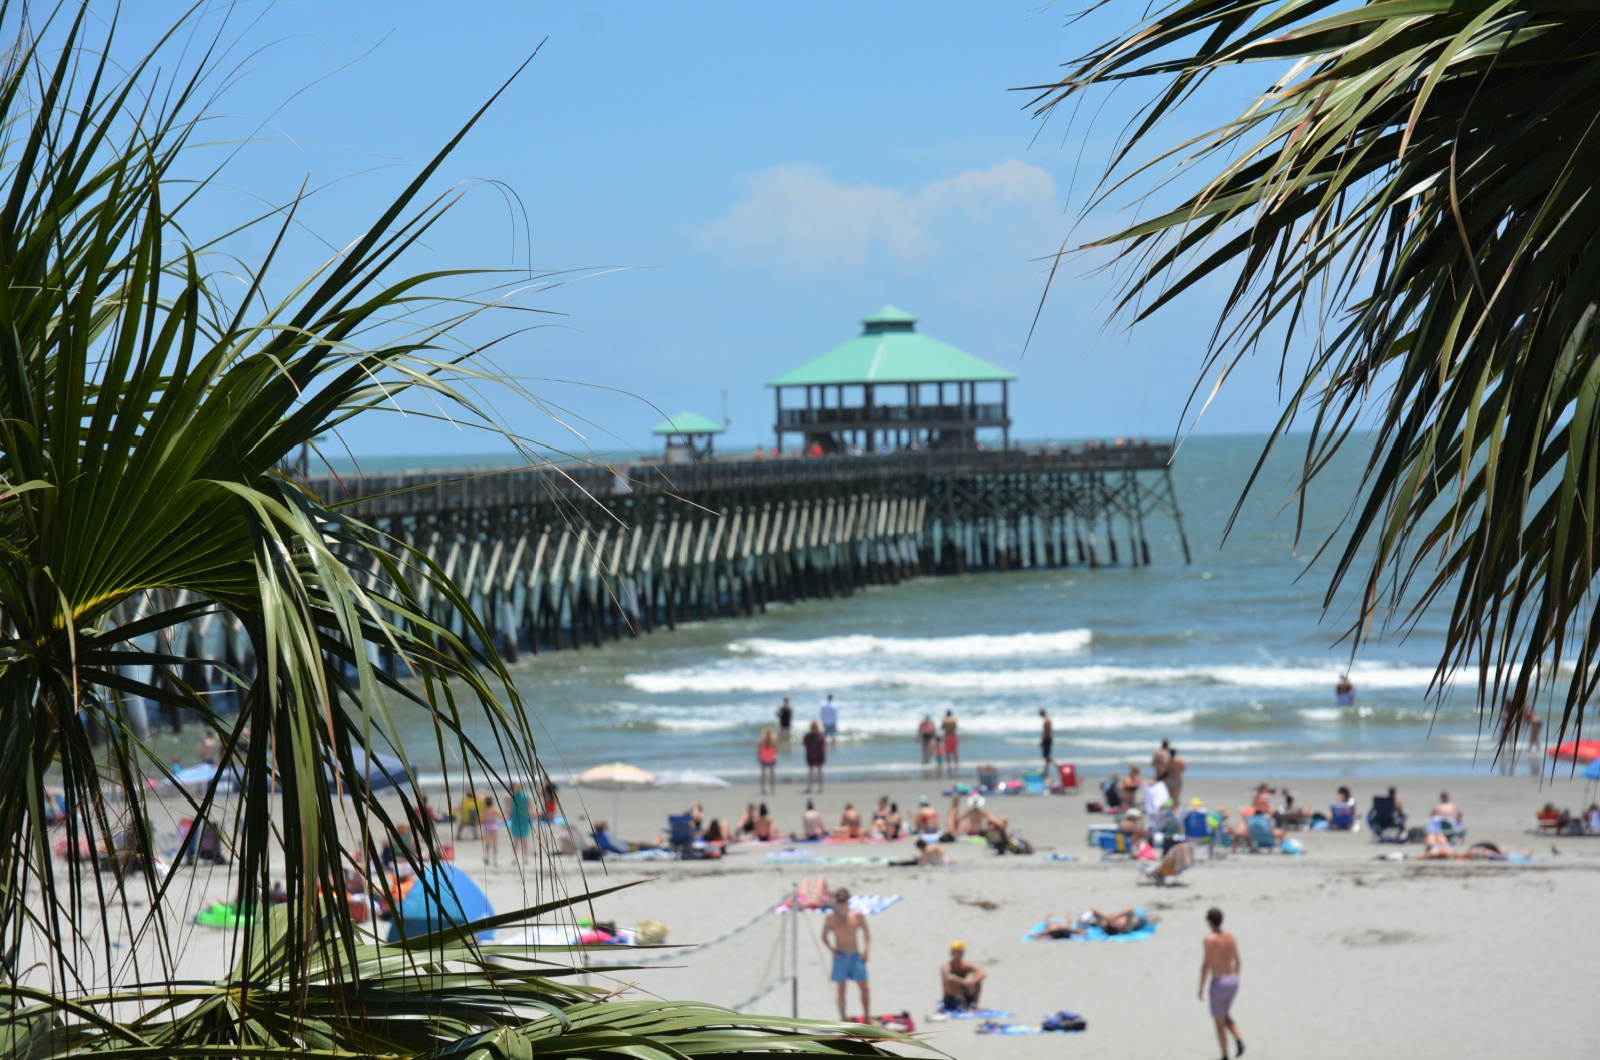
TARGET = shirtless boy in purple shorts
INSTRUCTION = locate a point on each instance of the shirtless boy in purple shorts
(1221, 963)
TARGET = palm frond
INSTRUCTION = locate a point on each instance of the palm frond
(1411, 187)
(145, 422)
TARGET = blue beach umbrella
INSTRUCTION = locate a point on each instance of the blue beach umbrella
(1592, 772)
(378, 771)
(443, 896)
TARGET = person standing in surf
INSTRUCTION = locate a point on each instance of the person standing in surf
(928, 735)
(829, 714)
(952, 744)
(785, 721)
(1047, 737)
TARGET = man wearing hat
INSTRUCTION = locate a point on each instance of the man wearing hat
(962, 980)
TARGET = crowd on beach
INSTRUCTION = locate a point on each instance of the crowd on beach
(939, 741)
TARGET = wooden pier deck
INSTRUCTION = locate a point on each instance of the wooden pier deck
(558, 556)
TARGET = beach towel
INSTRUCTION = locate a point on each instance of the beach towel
(865, 904)
(830, 861)
(790, 855)
(971, 1014)
(221, 915)
(996, 1027)
(1093, 934)
(546, 935)
(1058, 856)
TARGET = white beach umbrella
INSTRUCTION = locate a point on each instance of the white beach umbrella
(615, 777)
(690, 780)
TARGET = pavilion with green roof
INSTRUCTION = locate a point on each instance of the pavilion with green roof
(892, 388)
(688, 436)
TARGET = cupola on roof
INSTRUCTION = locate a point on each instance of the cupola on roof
(891, 350)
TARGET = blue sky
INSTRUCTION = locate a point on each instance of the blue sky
(745, 181)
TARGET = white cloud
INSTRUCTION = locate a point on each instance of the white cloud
(798, 217)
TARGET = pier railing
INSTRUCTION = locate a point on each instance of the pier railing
(878, 415)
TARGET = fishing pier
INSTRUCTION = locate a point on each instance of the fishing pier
(561, 556)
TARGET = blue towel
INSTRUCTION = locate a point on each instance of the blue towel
(1009, 1028)
(1094, 934)
(974, 1014)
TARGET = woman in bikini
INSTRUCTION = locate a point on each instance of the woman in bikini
(767, 758)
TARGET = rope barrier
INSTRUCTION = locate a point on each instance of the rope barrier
(792, 977)
(759, 994)
(686, 951)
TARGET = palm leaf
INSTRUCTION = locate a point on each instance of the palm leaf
(144, 422)
(1412, 188)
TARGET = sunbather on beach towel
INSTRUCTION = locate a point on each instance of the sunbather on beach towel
(1131, 919)
(1057, 927)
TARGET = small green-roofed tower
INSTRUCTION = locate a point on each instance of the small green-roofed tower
(689, 436)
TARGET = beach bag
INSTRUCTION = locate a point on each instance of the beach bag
(1064, 1021)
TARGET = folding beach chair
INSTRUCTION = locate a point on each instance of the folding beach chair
(1069, 778)
(1342, 816)
(1033, 782)
(1174, 863)
(681, 834)
(1388, 824)
(1261, 838)
(1453, 833)
(1197, 829)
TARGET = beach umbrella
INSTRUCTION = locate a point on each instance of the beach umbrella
(442, 896)
(378, 771)
(1593, 771)
(615, 777)
(690, 780)
(1577, 750)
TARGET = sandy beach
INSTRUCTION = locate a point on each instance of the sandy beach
(1344, 952)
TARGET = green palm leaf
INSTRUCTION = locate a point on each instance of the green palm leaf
(1413, 187)
(144, 420)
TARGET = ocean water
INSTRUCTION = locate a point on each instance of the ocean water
(1232, 658)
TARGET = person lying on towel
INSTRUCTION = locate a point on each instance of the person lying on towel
(1128, 920)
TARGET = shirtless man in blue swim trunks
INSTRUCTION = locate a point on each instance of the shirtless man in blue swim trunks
(846, 934)
(1221, 963)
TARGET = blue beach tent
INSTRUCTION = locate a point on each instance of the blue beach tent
(443, 896)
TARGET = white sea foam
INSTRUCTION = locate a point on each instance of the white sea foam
(726, 679)
(976, 646)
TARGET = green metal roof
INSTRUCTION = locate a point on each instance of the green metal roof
(889, 350)
(690, 423)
